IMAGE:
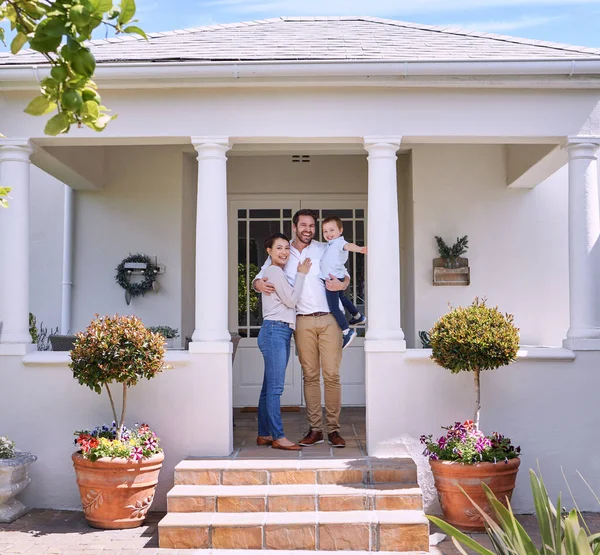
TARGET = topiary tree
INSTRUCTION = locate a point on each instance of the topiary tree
(116, 349)
(474, 338)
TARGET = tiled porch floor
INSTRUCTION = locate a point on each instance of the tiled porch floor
(352, 429)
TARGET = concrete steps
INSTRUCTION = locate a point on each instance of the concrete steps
(327, 505)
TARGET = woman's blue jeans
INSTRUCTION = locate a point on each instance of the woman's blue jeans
(274, 344)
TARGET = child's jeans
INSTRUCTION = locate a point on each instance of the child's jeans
(333, 300)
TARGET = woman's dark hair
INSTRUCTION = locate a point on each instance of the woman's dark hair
(305, 212)
(270, 240)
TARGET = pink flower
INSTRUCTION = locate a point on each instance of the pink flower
(137, 454)
(150, 444)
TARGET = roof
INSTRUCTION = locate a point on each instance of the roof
(321, 39)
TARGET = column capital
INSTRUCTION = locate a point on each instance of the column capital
(18, 150)
(382, 142)
(582, 146)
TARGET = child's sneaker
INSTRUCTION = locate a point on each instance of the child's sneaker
(348, 338)
(357, 320)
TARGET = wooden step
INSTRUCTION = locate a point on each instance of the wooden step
(239, 472)
(296, 497)
(405, 530)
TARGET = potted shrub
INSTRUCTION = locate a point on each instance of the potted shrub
(117, 469)
(14, 478)
(167, 332)
(473, 339)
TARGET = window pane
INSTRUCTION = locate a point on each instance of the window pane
(254, 332)
(287, 229)
(339, 213)
(287, 213)
(360, 233)
(241, 213)
(274, 213)
(360, 213)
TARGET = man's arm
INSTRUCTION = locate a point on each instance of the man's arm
(334, 284)
(260, 283)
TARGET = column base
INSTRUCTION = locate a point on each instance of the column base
(17, 349)
(208, 347)
(385, 346)
(582, 343)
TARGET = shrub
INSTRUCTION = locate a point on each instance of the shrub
(474, 338)
(166, 331)
(7, 448)
(116, 349)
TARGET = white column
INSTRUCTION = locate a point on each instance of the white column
(14, 245)
(211, 244)
(383, 260)
(584, 245)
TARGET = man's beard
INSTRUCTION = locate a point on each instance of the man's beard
(306, 241)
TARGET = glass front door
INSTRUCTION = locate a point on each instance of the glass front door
(250, 223)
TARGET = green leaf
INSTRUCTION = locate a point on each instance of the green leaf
(45, 44)
(101, 5)
(4, 193)
(18, 42)
(57, 124)
(127, 11)
(463, 538)
(90, 108)
(39, 106)
(132, 29)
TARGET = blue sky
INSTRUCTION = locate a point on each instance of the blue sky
(568, 21)
(574, 22)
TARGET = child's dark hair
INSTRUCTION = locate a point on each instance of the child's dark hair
(335, 219)
(305, 212)
(270, 240)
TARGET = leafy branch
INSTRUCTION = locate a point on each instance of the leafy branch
(458, 249)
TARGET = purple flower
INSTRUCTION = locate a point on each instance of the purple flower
(137, 454)
(150, 444)
(442, 442)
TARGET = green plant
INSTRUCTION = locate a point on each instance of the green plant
(472, 339)
(245, 291)
(7, 448)
(3, 196)
(166, 331)
(425, 341)
(458, 249)
(116, 349)
(561, 533)
(33, 332)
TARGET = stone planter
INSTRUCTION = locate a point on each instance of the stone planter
(116, 493)
(450, 477)
(14, 478)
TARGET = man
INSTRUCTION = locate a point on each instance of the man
(318, 336)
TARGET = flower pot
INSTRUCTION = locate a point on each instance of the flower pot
(116, 493)
(14, 478)
(450, 477)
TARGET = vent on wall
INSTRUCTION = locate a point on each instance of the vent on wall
(300, 158)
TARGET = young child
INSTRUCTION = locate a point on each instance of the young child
(334, 262)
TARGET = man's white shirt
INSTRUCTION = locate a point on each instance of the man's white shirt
(313, 297)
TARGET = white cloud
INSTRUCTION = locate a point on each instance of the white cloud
(504, 26)
(376, 7)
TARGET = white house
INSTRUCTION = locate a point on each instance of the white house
(407, 131)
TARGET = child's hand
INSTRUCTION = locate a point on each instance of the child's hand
(304, 267)
(363, 250)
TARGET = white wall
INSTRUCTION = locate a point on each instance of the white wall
(46, 246)
(548, 408)
(186, 406)
(138, 211)
(518, 239)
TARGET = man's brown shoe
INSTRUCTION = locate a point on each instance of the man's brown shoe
(336, 440)
(312, 438)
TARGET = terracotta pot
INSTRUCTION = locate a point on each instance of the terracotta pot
(116, 493)
(450, 477)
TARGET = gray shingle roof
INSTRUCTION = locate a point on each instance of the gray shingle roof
(321, 38)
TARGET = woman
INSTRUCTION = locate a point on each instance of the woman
(279, 321)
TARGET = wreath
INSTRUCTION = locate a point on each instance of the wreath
(150, 273)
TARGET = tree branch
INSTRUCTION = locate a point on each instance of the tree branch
(112, 403)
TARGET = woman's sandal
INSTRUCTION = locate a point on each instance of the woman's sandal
(293, 447)
(262, 440)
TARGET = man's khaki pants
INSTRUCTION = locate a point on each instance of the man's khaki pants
(319, 343)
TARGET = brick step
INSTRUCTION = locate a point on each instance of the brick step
(238, 472)
(328, 531)
(289, 498)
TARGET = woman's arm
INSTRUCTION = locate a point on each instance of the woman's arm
(287, 294)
